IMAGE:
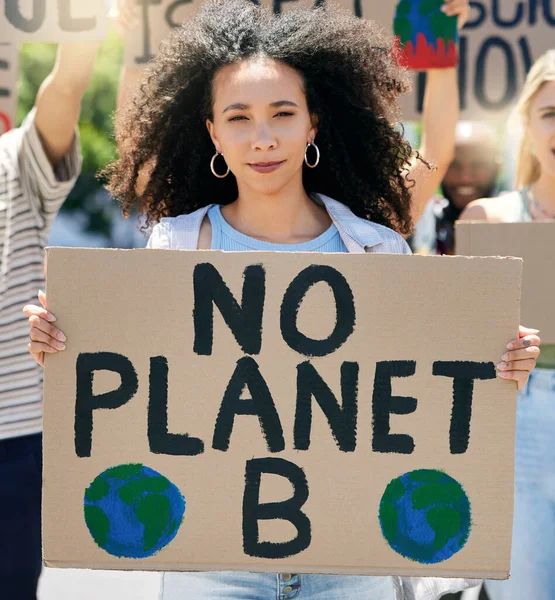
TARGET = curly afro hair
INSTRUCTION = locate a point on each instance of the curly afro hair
(352, 81)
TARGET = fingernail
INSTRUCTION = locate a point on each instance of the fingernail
(510, 346)
(505, 357)
(503, 375)
(61, 337)
(60, 346)
(51, 317)
(501, 365)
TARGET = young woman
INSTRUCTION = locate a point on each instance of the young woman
(266, 132)
(533, 554)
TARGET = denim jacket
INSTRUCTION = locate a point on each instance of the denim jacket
(359, 235)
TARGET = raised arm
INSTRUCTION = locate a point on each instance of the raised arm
(58, 102)
(439, 120)
(440, 114)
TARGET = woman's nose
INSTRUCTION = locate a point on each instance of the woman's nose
(264, 140)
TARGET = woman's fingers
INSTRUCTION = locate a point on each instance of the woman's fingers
(42, 298)
(526, 353)
(527, 341)
(36, 347)
(520, 360)
(44, 337)
(517, 365)
(31, 309)
(454, 7)
(457, 8)
(37, 323)
(37, 335)
(525, 331)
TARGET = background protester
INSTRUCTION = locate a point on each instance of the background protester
(39, 165)
(533, 551)
(472, 174)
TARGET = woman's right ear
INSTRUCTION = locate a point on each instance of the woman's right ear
(210, 127)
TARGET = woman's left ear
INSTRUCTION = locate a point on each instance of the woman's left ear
(314, 130)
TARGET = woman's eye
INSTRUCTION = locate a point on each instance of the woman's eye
(284, 114)
(238, 118)
(548, 115)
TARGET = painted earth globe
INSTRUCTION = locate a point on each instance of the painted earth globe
(133, 511)
(425, 516)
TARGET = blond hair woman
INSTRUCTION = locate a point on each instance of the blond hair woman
(533, 554)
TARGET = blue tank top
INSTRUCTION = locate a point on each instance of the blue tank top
(224, 237)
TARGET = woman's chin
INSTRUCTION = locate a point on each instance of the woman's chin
(269, 187)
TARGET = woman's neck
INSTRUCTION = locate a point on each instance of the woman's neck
(544, 192)
(288, 217)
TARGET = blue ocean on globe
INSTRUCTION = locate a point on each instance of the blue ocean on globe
(133, 511)
(425, 516)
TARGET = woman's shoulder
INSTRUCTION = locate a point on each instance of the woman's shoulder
(178, 233)
(370, 236)
(499, 209)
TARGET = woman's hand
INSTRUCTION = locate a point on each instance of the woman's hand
(44, 337)
(457, 8)
(520, 360)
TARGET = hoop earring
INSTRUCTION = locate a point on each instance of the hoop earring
(314, 165)
(212, 168)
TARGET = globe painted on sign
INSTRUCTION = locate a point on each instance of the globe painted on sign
(133, 511)
(425, 516)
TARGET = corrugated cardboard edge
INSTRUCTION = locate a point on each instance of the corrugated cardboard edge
(184, 567)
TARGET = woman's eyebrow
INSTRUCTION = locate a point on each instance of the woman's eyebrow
(241, 106)
(236, 106)
(281, 103)
(542, 108)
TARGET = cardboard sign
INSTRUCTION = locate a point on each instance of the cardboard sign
(497, 47)
(159, 16)
(280, 412)
(52, 20)
(427, 37)
(8, 87)
(535, 243)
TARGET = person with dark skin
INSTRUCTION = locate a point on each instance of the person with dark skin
(274, 133)
(471, 175)
(440, 111)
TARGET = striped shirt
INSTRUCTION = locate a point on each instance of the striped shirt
(31, 194)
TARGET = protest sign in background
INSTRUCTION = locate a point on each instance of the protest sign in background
(533, 242)
(497, 46)
(8, 86)
(280, 412)
(52, 20)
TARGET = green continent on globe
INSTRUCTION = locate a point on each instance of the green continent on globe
(425, 516)
(133, 511)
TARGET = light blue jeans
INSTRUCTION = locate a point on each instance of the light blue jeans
(533, 549)
(228, 585)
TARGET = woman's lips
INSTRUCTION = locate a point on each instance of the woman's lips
(266, 167)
